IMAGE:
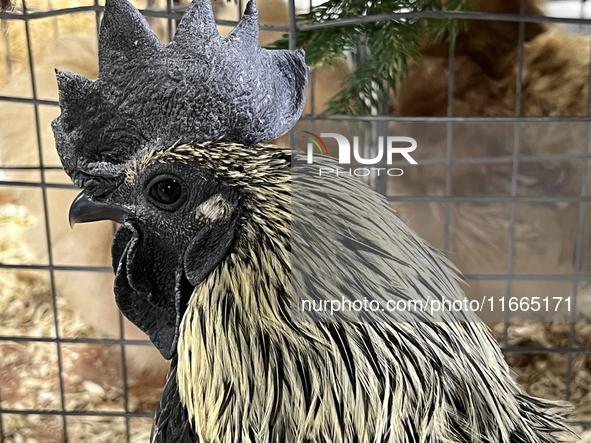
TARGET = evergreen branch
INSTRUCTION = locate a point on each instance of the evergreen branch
(390, 44)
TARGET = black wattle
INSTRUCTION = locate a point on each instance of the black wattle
(121, 242)
(156, 312)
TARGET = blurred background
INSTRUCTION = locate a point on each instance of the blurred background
(502, 120)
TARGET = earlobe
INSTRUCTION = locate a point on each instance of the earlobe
(207, 249)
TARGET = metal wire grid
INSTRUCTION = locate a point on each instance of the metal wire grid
(172, 13)
(26, 16)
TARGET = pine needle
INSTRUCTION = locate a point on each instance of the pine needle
(390, 45)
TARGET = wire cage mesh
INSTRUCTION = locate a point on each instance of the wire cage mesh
(71, 368)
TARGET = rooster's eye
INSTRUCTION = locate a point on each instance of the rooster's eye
(166, 192)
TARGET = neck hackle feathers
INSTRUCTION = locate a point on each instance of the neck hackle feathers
(148, 95)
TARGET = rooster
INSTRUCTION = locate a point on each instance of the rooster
(223, 236)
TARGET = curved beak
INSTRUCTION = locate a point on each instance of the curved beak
(84, 210)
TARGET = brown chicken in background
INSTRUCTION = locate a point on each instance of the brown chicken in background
(555, 70)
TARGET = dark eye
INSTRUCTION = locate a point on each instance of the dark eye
(166, 192)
